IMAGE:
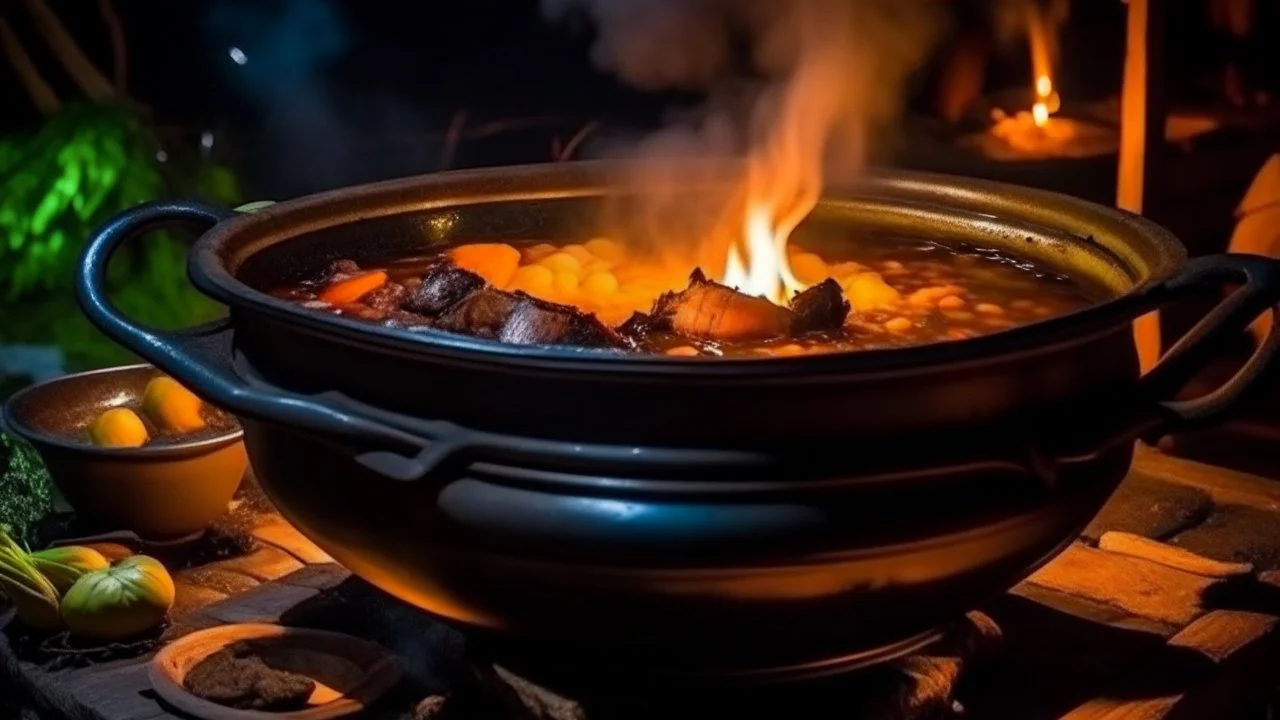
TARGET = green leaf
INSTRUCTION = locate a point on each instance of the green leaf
(26, 492)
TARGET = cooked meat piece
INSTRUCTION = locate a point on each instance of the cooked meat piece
(482, 313)
(442, 287)
(386, 298)
(713, 311)
(407, 320)
(343, 267)
(821, 307)
(361, 311)
(639, 325)
(403, 270)
(639, 329)
(538, 322)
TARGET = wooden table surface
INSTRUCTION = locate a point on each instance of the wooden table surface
(1165, 608)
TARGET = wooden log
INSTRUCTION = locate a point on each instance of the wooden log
(926, 684)
(1225, 487)
(1241, 650)
(1137, 586)
(1170, 556)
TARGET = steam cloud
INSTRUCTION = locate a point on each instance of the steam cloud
(796, 87)
(750, 55)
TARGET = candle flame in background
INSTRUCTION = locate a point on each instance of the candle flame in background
(1040, 113)
(1044, 86)
(1041, 37)
(820, 77)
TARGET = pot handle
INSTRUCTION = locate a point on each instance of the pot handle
(200, 356)
(1259, 292)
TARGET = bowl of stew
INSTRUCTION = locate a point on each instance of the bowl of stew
(131, 449)
(473, 395)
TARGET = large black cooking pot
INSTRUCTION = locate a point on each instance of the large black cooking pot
(745, 518)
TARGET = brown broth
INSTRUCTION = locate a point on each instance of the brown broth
(937, 294)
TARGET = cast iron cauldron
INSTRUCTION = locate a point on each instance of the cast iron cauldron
(700, 519)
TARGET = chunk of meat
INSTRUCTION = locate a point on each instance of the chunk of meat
(442, 287)
(386, 298)
(483, 313)
(406, 320)
(343, 267)
(821, 307)
(639, 326)
(713, 311)
(538, 322)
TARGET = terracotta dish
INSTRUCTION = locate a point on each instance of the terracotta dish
(350, 673)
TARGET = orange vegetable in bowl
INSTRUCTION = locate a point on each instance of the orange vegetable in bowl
(349, 290)
(495, 262)
(172, 406)
(118, 428)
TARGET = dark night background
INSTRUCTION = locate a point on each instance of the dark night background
(337, 92)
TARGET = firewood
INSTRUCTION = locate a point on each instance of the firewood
(1169, 556)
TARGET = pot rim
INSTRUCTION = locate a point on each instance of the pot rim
(167, 451)
(211, 257)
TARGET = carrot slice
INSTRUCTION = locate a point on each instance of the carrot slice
(352, 289)
(495, 262)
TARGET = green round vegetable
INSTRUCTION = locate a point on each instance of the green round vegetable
(119, 602)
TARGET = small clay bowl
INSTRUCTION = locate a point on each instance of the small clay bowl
(162, 490)
(350, 673)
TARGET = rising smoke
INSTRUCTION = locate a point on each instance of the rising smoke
(797, 88)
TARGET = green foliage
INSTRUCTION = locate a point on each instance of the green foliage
(83, 166)
(25, 487)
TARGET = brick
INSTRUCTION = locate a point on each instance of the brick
(281, 534)
(218, 580)
(264, 564)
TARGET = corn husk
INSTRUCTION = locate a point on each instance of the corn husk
(33, 596)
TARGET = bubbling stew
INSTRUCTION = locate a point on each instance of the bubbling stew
(884, 294)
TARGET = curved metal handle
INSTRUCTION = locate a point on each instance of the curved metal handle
(1259, 292)
(198, 356)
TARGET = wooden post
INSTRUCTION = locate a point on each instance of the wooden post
(1142, 123)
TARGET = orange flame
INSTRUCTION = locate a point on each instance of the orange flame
(785, 167)
(1040, 39)
(1040, 113)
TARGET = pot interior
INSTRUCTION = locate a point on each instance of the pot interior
(1100, 248)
